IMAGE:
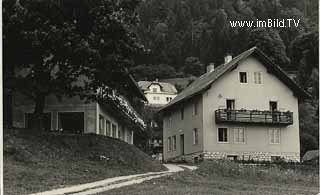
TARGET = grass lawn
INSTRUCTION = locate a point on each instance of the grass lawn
(224, 178)
(39, 162)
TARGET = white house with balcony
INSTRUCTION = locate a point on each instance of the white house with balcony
(158, 93)
(245, 109)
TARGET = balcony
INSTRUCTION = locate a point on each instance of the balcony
(253, 117)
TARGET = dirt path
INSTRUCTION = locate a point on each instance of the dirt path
(116, 182)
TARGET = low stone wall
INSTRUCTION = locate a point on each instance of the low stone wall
(255, 156)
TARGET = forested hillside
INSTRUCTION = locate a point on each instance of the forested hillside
(181, 37)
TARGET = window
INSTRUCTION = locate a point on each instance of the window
(243, 77)
(239, 135)
(195, 136)
(114, 130)
(154, 90)
(169, 99)
(257, 77)
(101, 125)
(182, 113)
(174, 140)
(156, 98)
(170, 121)
(223, 135)
(108, 128)
(274, 136)
(169, 144)
(120, 132)
(195, 107)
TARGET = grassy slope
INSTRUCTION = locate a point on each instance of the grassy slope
(229, 178)
(34, 163)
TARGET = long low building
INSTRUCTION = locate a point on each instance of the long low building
(111, 115)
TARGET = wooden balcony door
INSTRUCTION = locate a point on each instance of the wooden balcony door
(231, 105)
(273, 107)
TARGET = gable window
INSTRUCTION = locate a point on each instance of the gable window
(154, 90)
(182, 113)
(195, 136)
(195, 108)
(274, 136)
(174, 140)
(258, 77)
(169, 144)
(239, 135)
(223, 135)
(243, 77)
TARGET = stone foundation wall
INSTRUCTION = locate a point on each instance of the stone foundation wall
(255, 156)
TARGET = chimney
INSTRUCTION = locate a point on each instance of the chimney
(157, 80)
(227, 58)
(210, 67)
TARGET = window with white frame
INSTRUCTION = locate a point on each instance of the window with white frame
(223, 135)
(101, 125)
(195, 136)
(156, 98)
(174, 140)
(239, 135)
(169, 144)
(274, 136)
(258, 77)
(243, 77)
(108, 128)
(195, 107)
(170, 121)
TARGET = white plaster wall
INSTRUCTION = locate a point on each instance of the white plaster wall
(162, 95)
(184, 127)
(250, 96)
(162, 98)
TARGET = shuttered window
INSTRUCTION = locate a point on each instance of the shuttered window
(239, 135)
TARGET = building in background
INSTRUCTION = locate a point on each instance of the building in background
(158, 93)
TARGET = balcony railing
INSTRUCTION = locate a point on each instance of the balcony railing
(254, 117)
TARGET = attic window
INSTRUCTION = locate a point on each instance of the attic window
(243, 77)
(154, 90)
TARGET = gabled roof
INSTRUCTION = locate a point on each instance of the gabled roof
(135, 86)
(165, 87)
(205, 81)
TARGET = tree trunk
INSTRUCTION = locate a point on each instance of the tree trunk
(38, 113)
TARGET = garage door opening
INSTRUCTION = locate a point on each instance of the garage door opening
(30, 121)
(71, 122)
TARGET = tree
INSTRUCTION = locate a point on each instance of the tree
(193, 66)
(270, 42)
(304, 52)
(64, 49)
(152, 72)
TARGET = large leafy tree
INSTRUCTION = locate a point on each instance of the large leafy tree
(270, 42)
(67, 47)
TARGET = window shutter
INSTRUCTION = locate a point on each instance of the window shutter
(270, 136)
(241, 135)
